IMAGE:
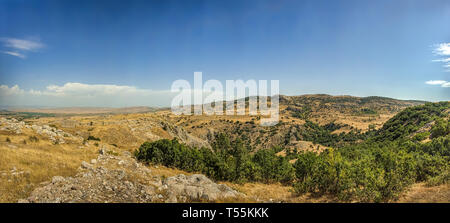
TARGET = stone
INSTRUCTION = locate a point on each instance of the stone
(112, 183)
(57, 179)
(86, 165)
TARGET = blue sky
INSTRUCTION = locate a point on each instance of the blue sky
(51, 49)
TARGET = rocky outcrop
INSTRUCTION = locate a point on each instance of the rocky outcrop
(12, 125)
(196, 187)
(55, 135)
(181, 134)
(119, 178)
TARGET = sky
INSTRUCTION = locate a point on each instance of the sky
(128, 53)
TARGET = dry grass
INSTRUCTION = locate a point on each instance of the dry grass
(36, 163)
(260, 192)
(263, 191)
(167, 171)
(419, 193)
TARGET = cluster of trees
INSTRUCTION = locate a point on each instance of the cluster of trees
(440, 128)
(387, 162)
(373, 171)
(365, 172)
(302, 113)
(229, 160)
(322, 134)
(366, 111)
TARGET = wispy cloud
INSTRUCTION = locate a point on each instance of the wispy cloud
(446, 60)
(443, 49)
(22, 44)
(442, 83)
(16, 54)
(80, 89)
(18, 47)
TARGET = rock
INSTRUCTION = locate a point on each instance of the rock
(197, 187)
(172, 199)
(93, 161)
(112, 183)
(86, 165)
(57, 179)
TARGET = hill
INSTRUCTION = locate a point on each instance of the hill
(307, 122)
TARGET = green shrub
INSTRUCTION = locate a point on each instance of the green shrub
(377, 174)
(421, 136)
(440, 128)
(231, 162)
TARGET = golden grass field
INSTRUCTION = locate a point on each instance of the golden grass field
(36, 163)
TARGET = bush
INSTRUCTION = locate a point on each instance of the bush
(440, 128)
(33, 139)
(231, 162)
(377, 174)
(93, 138)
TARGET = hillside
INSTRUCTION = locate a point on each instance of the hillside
(380, 167)
(35, 149)
(299, 116)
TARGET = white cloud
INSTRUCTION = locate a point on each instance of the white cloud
(22, 44)
(79, 94)
(18, 47)
(8, 91)
(443, 49)
(438, 82)
(446, 60)
(16, 54)
(79, 89)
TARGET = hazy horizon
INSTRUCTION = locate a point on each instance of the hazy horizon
(168, 106)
